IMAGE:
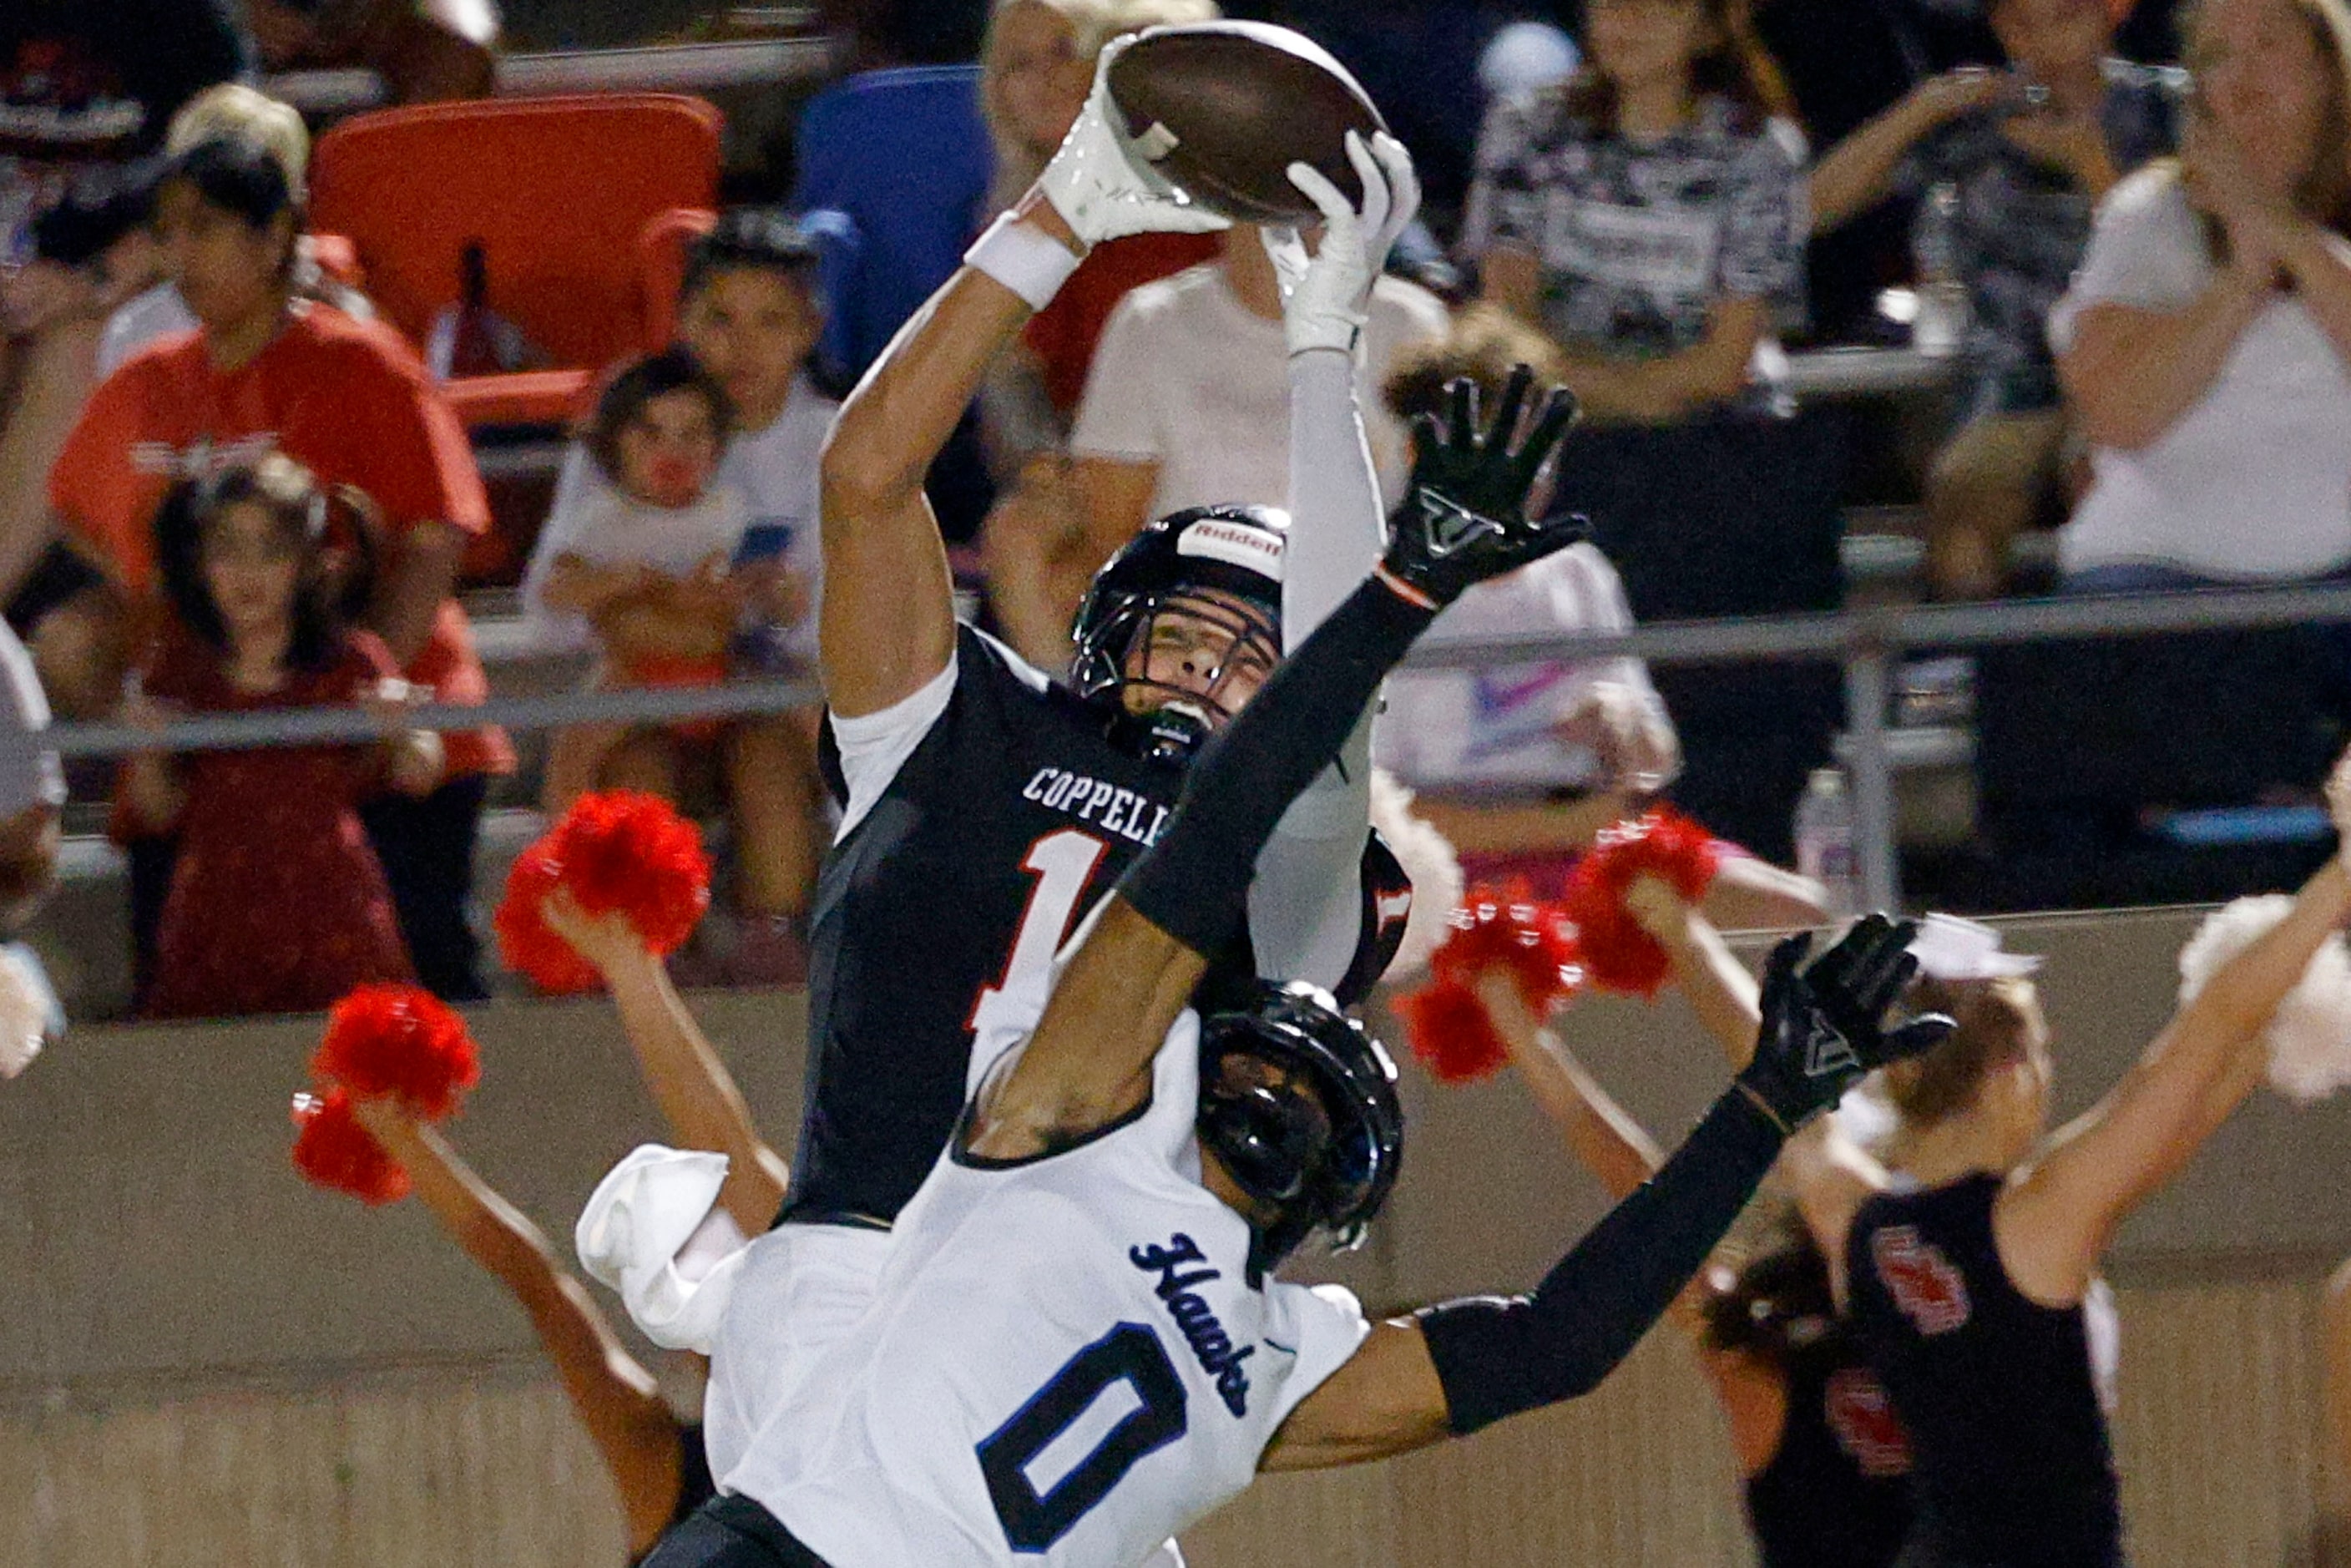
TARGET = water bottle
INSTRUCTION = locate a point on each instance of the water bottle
(1941, 326)
(1827, 849)
(469, 339)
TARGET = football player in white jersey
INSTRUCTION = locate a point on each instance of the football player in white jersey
(968, 782)
(1077, 1346)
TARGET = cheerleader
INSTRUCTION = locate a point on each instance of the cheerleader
(1971, 1278)
(656, 1460)
(1824, 1462)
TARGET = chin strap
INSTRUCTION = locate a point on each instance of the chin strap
(1162, 734)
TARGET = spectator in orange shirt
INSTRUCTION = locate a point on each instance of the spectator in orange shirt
(349, 402)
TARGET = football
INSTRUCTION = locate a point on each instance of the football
(1221, 110)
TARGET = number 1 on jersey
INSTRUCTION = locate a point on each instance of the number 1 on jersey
(1063, 862)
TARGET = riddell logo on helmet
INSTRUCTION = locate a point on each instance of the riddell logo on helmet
(1251, 549)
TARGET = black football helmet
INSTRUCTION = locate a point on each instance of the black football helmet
(1299, 1104)
(1221, 567)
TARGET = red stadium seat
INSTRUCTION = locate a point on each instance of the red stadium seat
(566, 196)
(662, 250)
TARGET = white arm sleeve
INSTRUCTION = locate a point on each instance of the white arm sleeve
(1306, 903)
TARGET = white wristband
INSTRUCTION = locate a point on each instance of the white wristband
(1024, 258)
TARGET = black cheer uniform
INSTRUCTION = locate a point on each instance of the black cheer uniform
(2012, 1464)
(1010, 820)
(1838, 1492)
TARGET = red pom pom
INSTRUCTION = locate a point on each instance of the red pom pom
(1447, 1024)
(1506, 929)
(633, 852)
(400, 1042)
(619, 850)
(530, 945)
(333, 1151)
(1618, 954)
(1450, 1031)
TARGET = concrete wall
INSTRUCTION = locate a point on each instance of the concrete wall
(202, 1360)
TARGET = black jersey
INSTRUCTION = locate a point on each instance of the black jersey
(1838, 1492)
(2012, 1464)
(947, 900)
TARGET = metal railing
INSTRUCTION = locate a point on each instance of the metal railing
(663, 68)
(1865, 642)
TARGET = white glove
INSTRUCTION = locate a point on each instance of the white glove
(641, 1215)
(1325, 300)
(1104, 190)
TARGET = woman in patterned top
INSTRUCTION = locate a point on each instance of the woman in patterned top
(1649, 215)
(2030, 151)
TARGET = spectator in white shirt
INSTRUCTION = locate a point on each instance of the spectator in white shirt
(2207, 340)
(1187, 405)
(1521, 765)
(749, 311)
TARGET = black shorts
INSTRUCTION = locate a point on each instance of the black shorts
(731, 1532)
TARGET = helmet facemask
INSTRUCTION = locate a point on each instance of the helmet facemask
(1187, 661)
(1269, 1119)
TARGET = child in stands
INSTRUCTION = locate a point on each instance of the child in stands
(653, 560)
(278, 903)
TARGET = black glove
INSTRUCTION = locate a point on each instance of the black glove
(1824, 1026)
(1463, 518)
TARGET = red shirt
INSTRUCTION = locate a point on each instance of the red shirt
(1062, 335)
(347, 399)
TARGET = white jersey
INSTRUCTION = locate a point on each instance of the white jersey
(1065, 1363)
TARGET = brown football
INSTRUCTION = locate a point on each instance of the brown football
(1221, 110)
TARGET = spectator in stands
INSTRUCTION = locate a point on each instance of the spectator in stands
(1036, 69)
(232, 109)
(648, 562)
(1649, 215)
(748, 310)
(85, 90)
(1185, 407)
(424, 50)
(261, 569)
(654, 562)
(2028, 152)
(32, 790)
(349, 402)
(2205, 342)
(1520, 767)
(32, 794)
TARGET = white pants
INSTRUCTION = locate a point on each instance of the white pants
(810, 1283)
(801, 1288)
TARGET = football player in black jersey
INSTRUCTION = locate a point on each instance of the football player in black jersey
(1825, 1460)
(985, 808)
(1972, 1278)
(1103, 1236)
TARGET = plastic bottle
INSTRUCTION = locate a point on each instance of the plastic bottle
(1944, 312)
(469, 339)
(1826, 847)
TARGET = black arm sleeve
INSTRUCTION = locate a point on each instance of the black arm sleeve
(1499, 1357)
(1193, 883)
